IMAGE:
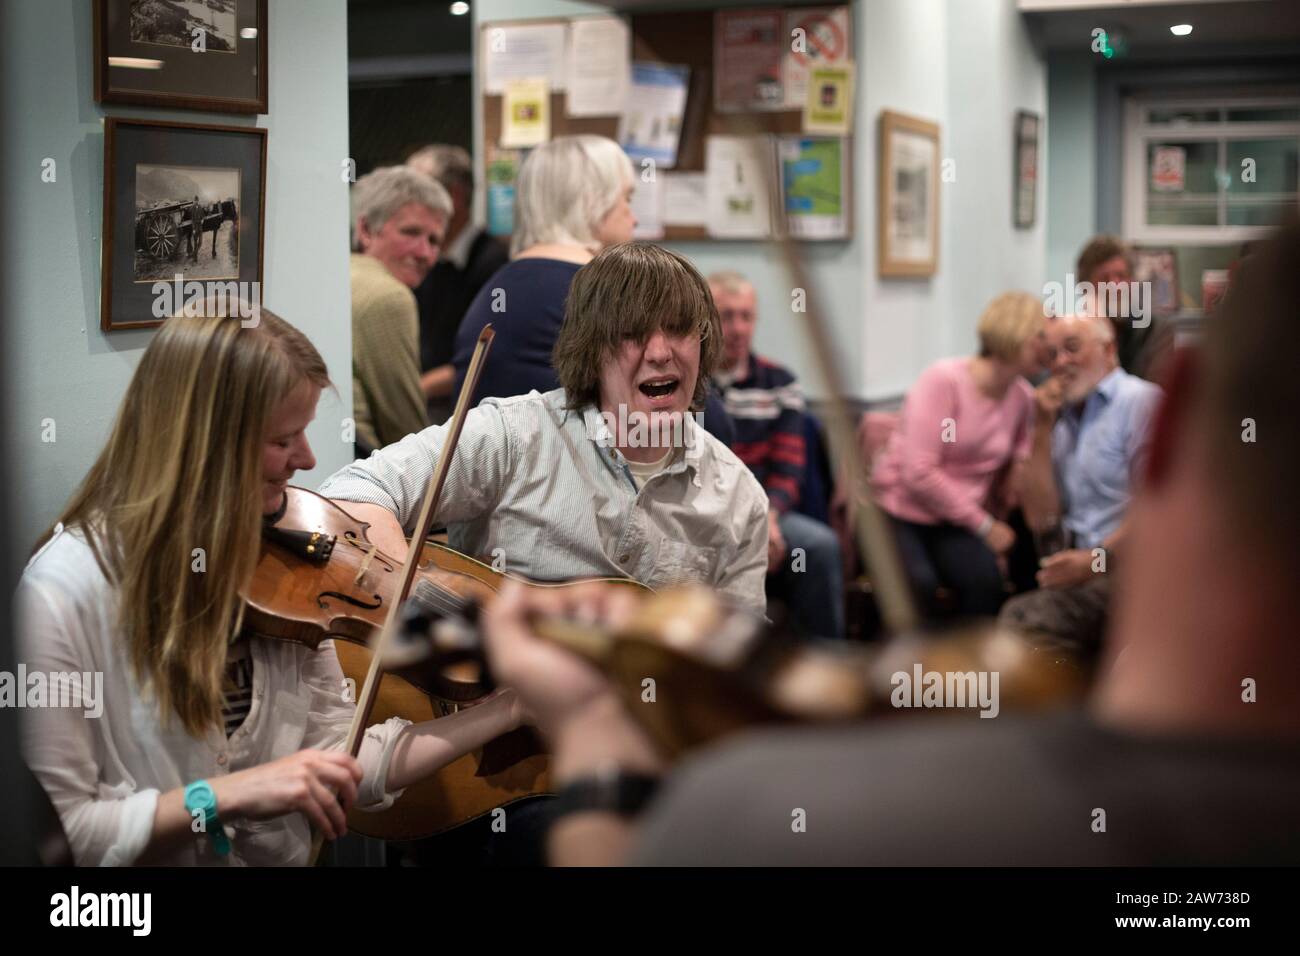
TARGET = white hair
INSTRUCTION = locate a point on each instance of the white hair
(1101, 326)
(565, 188)
(379, 194)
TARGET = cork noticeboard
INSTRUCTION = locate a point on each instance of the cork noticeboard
(682, 38)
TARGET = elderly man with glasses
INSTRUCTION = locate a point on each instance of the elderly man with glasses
(1090, 443)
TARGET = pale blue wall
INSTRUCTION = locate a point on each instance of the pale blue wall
(966, 64)
(1072, 165)
(58, 364)
(993, 72)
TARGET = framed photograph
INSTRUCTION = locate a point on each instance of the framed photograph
(182, 54)
(183, 216)
(1160, 268)
(908, 209)
(1026, 183)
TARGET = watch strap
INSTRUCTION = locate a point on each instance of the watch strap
(615, 791)
(200, 797)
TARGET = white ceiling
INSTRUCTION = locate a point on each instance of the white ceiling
(1245, 26)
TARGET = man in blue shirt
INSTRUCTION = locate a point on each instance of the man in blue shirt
(1090, 442)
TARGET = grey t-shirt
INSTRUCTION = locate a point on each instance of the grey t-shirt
(934, 790)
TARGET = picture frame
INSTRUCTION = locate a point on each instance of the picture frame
(1159, 266)
(1024, 197)
(145, 54)
(907, 212)
(184, 203)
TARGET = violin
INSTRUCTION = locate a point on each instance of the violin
(319, 577)
(714, 669)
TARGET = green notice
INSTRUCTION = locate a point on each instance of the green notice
(813, 178)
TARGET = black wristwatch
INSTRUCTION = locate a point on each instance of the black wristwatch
(611, 790)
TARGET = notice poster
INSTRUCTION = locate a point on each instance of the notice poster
(599, 66)
(648, 208)
(1168, 169)
(828, 107)
(739, 170)
(814, 186)
(652, 123)
(748, 49)
(686, 199)
(502, 173)
(819, 36)
(1160, 268)
(525, 113)
(523, 52)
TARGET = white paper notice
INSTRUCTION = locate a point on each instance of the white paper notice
(739, 171)
(599, 66)
(686, 198)
(523, 53)
(652, 125)
(648, 207)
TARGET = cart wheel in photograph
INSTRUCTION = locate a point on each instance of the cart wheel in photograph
(161, 237)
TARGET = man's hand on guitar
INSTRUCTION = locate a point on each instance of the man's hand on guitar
(575, 706)
(553, 683)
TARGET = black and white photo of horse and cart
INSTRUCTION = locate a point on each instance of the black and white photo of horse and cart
(174, 22)
(186, 221)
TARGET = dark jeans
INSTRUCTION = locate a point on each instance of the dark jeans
(948, 556)
(477, 844)
(811, 587)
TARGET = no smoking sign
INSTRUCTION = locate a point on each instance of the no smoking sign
(826, 40)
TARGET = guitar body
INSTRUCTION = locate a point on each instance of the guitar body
(507, 769)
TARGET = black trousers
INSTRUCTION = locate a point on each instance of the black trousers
(952, 557)
(479, 844)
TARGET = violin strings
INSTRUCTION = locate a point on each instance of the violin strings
(433, 597)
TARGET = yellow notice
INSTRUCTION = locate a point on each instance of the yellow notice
(828, 107)
(525, 113)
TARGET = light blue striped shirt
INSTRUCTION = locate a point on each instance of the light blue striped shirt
(532, 485)
(1098, 447)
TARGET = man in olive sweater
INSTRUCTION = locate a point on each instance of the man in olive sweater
(399, 222)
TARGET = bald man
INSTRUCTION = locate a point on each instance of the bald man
(1090, 440)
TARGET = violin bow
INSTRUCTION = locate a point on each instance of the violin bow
(873, 536)
(428, 509)
(874, 539)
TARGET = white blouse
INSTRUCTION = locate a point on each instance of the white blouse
(105, 771)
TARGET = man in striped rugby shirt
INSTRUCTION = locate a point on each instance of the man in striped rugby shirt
(767, 408)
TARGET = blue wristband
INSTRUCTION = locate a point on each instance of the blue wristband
(200, 798)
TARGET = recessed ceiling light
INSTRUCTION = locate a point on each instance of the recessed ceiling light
(459, 8)
(1181, 29)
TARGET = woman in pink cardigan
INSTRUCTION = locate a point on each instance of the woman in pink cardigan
(944, 477)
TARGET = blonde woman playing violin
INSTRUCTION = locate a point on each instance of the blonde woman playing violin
(186, 744)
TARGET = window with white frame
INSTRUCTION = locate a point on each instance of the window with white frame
(1204, 176)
